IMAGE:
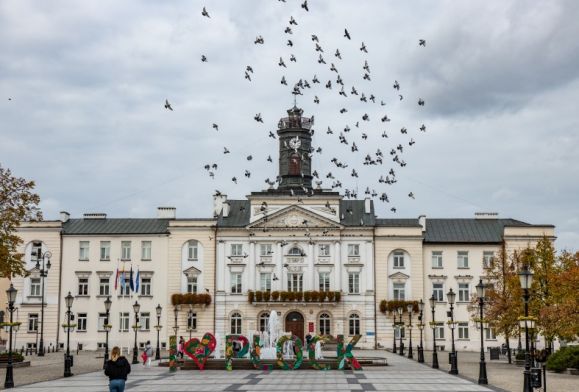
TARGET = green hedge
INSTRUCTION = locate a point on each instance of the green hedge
(16, 357)
(567, 357)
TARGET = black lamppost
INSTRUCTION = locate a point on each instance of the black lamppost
(409, 308)
(176, 312)
(451, 296)
(107, 328)
(400, 311)
(526, 278)
(159, 309)
(482, 372)
(67, 358)
(43, 270)
(11, 295)
(136, 308)
(420, 327)
(190, 323)
(434, 353)
(394, 327)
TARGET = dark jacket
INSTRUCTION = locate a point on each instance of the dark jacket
(118, 370)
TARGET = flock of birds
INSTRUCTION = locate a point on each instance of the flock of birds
(345, 136)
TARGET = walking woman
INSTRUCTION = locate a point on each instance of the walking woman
(117, 369)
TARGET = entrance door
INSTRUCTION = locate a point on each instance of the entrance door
(294, 323)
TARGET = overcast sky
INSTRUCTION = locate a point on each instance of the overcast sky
(83, 84)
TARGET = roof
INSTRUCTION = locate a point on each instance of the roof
(239, 212)
(397, 222)
(467, 230)
(115, 226)
(353, 213)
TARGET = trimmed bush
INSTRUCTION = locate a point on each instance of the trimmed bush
(388, 306)
(567, 357)
(16, 357)
(275, 295)
(190, 299)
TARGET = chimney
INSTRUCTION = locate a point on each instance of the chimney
(64, 216)
(486, 215)
(367, 205)
(95, 215)
(218, 200)
(422, 222)
(166, 212)
(226, 208)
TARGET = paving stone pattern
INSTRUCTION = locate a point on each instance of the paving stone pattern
(401, 375)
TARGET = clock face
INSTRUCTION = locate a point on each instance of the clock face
(295, 143)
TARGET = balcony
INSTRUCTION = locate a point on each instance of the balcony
(293, 297)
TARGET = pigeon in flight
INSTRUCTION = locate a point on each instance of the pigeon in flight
(423, 128)
(319, 48)
(259, 40)
(411, 195)
(290, 43)
(288, 30)
(258, 118)
(281, 63)
(203, 58)
(234, 179)
(271, 135)
(401, 96)
(421, 42)
(321, 60)
(346, 34)
(168, 105)
(293, 58)
(315, 38)
(247, 76)
(249, 69)
(283, 81)
(396, 85)
(292, 21)
(305, 5)
(316, 99)
(363, 48)
(420, 102)
(205, 13)
(225, 150)
(338, 55)
(269, 158)
(315, 79)
(215, 126)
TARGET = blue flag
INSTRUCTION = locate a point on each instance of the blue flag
(131, 284)
(137, 280)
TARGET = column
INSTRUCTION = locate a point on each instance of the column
(369, 266)
(337, 266)
(278, 261)
(251, 260)
(309, 284)
(220, 270)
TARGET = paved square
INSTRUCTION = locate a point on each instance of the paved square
(401, 375)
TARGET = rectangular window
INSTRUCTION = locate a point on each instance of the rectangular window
(353, 250)
(265, 281)
(324, 281)
(463, 330)
(192, 321)
(462, 259)
(265, 250)
(353, 283)
(192, 250)
(101, 321)
(105, 251)
(398, 259)
(81, 322)
(145, 321)
(192, 284)
(488, 258)
(82, 286)
(324, 250)
(125, 250)
(146, 250)
(83, 250)
(437, 259)
(439, 331)
(36, 250)
(295, 282)
(237, 250)
(354, 325)
(104, 286)
(463, 292)
(399, 291)
(146, 286)
(438, 291)
(126, 288)
(236, 283)
(124, 322)
(399, 331)
(35, 287)
(32, 322)
(490, 334)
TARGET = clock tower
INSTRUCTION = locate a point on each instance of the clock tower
(295, 141)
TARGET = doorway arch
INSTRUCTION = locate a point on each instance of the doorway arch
(294, 323)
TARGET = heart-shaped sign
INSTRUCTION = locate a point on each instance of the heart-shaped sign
(199, 351)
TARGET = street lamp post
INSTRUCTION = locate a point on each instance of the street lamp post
(526, 278)
(159, 309)
(190, 323)
(43, 270)
(136, 308)
(176, 312)
(400, 311)
(394, 326)
(409, 308)
(107, 328)
(67, 358)
(420, 327)
(482, 373)
(9, 381)
(434, 353)
(451, 296)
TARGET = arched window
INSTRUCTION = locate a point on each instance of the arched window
(236, 324)
(294, 165)
(325, 322)
(354, 325)
(263, 320)
(192, 250)
(295, 251)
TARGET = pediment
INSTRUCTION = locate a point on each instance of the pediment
(192, 271)
(295, 217)
(399, 276)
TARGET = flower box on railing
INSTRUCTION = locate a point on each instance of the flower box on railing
(294, 296)
(389, 306)
(191, 299)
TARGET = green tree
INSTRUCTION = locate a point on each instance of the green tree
(17, 203)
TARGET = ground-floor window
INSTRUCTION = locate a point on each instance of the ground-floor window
(263, 321)
(354, 325)
(236, 324)
(463, 330)
(325, 322)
